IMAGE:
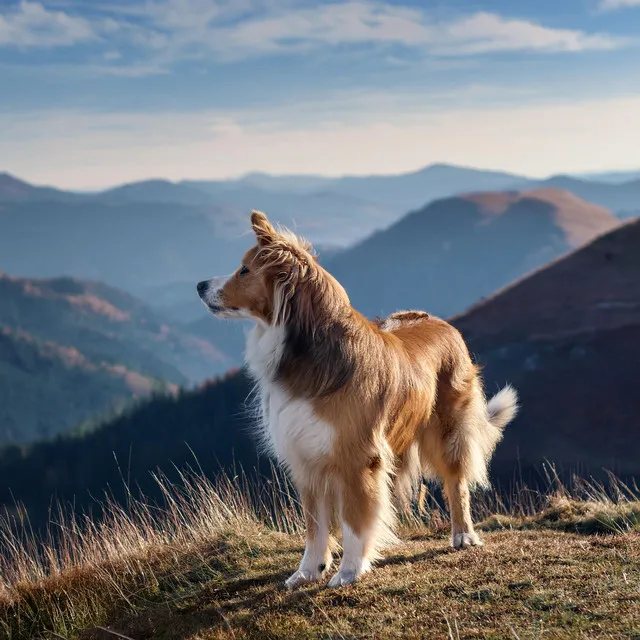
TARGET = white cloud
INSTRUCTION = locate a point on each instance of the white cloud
(485, 32)
(618, 4)
(175, 29)
(361, 134)
(30, 24)
(369, 23)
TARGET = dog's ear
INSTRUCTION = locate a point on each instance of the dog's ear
(265, 233)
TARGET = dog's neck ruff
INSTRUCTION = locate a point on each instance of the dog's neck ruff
(265, 347)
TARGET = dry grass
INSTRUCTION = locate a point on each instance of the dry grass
(210, 560)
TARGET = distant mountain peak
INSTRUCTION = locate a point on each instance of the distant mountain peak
(578, 219)
(155, 190)
(14, 189)
(9, 182)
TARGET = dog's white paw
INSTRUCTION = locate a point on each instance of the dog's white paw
(300, 577)
(343, 578)
(350, 573)
(305, 576)
(464, 539)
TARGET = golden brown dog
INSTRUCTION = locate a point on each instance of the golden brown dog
(354, 409)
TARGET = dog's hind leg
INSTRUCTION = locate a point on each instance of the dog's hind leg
(458, 497)
(452, 444)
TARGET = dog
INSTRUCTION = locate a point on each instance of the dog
(357, 411)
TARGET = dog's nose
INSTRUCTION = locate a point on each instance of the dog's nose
(202, 286)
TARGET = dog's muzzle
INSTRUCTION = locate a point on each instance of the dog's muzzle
(210, 292)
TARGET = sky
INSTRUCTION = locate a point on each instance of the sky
(95, 93)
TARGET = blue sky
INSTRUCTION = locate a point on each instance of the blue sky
(97, 92)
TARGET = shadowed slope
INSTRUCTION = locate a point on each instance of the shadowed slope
(567, 338)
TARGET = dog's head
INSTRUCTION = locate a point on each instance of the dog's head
(264, 284)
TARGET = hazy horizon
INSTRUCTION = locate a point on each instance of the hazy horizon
(248, 174)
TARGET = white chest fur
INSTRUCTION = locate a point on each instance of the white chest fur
(290, 427)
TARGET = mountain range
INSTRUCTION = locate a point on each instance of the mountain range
(447, 255)
(565, 336)
(397, 193)
(154, 235)
(156, 238)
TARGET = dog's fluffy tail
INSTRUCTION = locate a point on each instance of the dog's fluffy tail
(481, 435)
(503, 407)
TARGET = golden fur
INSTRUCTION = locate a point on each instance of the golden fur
(401, 396)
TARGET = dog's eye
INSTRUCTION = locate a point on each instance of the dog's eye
(243, 271)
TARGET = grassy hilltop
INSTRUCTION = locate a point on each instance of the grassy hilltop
(210, 563)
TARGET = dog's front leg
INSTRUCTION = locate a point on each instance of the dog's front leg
(317, 557)
(367, 519)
